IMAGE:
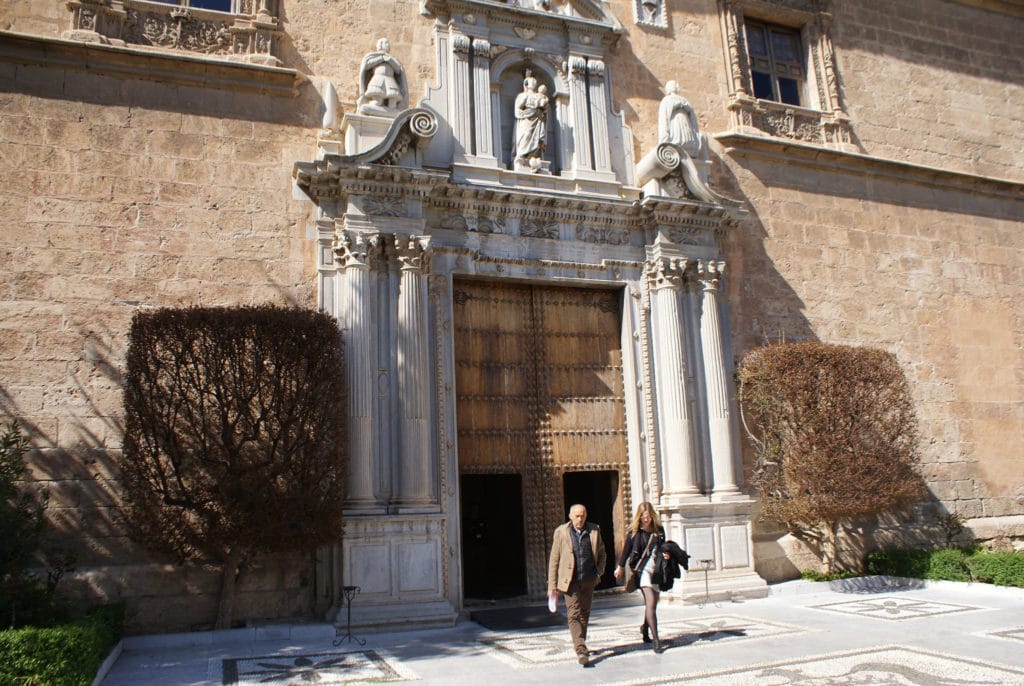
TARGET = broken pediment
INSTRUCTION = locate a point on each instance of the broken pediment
(592, 11)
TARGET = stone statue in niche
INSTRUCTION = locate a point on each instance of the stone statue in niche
(677, 123)
(531, 112)
(382, 86)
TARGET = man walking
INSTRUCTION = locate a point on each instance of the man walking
(577, 558)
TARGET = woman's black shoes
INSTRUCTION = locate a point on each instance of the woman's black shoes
(645, 634)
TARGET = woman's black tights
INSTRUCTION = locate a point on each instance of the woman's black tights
(651, 610)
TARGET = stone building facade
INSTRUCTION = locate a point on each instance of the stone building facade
(545, 258)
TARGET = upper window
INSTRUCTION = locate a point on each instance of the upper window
(218, 5)
(776, 62)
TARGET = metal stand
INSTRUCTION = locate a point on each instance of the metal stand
(350, 593)
(706, 564)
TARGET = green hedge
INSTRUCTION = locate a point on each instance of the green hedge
(950, 564)
(66, 655)
(1001, 569)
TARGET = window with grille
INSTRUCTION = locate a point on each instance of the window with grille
(776, 62)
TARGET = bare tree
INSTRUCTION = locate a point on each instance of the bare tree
(234, 435)
(836, 437)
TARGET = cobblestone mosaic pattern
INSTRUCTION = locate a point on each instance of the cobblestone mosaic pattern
(887, 607)
(524, 650)
(1016, 634)
(883, 666)
(324, 669)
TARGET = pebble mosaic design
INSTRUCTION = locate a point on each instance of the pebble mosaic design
(882, 666)
(324, 669)
(890, 607)
(523, 650)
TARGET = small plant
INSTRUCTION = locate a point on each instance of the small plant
(951, 523)
(814, 575)
(948, 564)
(1001, 569)
(69, 654)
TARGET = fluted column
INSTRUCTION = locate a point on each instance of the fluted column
(716, 380)
(669, 341)
(416, 478)
(357, 254)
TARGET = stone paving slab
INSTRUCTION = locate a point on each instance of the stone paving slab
(802, 634)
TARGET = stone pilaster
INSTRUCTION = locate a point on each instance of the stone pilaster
(678, 464)
(461, 103)
(582, 159)
(483, 118)
(357, 255)
(417, 480)
(716, 382)
(599, 115)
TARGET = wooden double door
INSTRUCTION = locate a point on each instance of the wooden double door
(541, 425)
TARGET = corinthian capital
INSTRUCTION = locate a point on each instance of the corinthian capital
(411, 252)
(709, 272)
(354, 249)
(666, 272)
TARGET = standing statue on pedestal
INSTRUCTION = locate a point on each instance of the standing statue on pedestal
(677, 122)
(531, 111)
(382, 87)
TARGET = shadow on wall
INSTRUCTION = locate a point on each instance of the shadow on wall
(70, 408)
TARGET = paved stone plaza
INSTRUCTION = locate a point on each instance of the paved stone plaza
(803, 633)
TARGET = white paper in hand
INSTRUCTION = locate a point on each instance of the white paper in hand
(553, 602)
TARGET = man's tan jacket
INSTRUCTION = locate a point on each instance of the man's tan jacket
(562, 562)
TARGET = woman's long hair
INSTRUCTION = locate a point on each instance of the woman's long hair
(645, 507)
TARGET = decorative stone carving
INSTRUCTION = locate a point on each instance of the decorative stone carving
(531, 113)
(247, 34)
(353, 249)
(539, 228)
(384, 206)
(677, 123)
(602, 234)
(678, 167)
(650, 13)
(382, 86)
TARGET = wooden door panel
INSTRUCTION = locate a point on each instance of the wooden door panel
(539, 392)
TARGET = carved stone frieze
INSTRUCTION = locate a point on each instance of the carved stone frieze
(384, 206)
(650, 13)
(539, 228)
(247, 35)
(602, 234)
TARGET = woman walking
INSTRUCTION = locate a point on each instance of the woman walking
(643, 550)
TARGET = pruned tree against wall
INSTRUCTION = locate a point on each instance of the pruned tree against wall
(234, 435)
(836, 437)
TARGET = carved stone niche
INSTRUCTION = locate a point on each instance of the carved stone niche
(545, 60)
(246, 34)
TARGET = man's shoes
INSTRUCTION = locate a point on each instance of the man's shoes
(645, 632)
(584, 661)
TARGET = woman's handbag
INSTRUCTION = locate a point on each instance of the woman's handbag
(633, 574)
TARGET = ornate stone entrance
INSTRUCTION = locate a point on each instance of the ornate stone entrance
(539, 393)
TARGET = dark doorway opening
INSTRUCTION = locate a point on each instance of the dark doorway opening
(493, 541)
(597, 492)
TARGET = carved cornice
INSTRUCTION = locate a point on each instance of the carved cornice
(793, 152)
(126, 62)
